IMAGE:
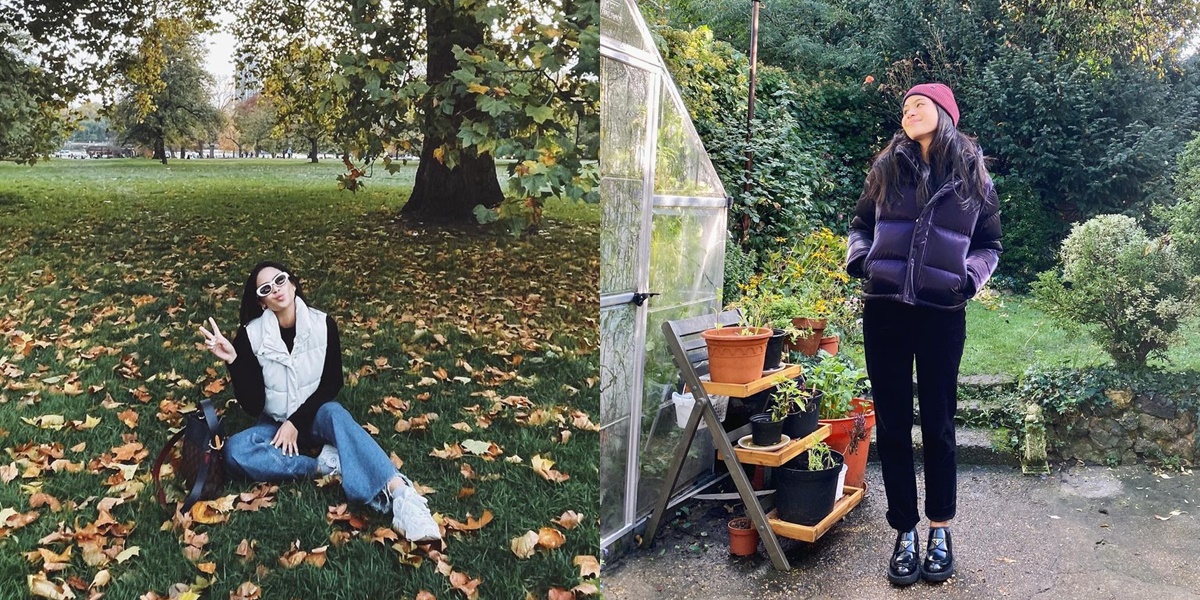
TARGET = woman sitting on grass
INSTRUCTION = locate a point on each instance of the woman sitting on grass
(286, 367)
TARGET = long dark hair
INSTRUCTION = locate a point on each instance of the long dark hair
(952, 154)
(251, 303)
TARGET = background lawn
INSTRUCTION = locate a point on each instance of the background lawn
(1006, 337)
(108, 266)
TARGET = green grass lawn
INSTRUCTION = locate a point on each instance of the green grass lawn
(1012, 335)
(108, 267)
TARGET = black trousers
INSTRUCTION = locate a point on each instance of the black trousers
(894, 334)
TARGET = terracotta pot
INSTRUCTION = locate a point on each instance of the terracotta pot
(733, 357)
(830, 343)
(743, 537)
(839, 439)
(807, 345)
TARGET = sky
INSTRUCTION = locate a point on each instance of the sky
(219, 47)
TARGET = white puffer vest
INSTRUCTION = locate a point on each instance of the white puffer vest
(290, 377)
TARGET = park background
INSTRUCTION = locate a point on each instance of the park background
(428, 170)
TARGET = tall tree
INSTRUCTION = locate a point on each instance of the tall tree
(167, 102)
(300, 84)
(484, 79)
(59, 51)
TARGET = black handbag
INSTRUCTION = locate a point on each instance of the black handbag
(201, 462)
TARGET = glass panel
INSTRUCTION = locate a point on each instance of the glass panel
(660, 432)
(614, 460)
(616, 361)
(687, 253)
(681, 166)
(625, 96)
(618, 22)
(620, 234)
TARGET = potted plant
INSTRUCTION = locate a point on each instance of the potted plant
(805, 487)
(851, 417)
(760, 303)
(743, 537)
(802, 407)
(766, 429)
(830, 341)
(735, 354)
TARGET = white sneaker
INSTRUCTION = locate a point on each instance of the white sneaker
(411, 517)
(328, 461)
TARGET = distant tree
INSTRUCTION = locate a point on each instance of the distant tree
(254, 119)
(166, 103)
(300, 83)
(32, 122)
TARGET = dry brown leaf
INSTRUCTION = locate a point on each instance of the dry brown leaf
(316, 557)
(215, 386)
(463, 583)
(425, 595)
(246, 591)
(207, 567)
(246, 550)
(40, 499)
(448, 452)
(384, 535)
(541, 466)
(524, 545)
(44, 588)
(293, 557)
(129, 417)
(569, 520)
(464, 492)
(588, 565)
(467, 471)
(551, 538)
(586, 588)
(472, 523)
(557, 593)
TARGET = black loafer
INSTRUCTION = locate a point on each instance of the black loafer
(939, 556)
(904, 567)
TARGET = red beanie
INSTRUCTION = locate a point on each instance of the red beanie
(941, 96)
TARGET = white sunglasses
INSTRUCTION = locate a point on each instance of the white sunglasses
(265, 289)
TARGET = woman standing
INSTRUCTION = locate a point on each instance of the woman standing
(926, 238)
(286, 367)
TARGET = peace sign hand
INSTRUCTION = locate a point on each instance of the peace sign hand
(221, 347)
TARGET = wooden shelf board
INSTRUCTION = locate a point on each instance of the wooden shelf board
(852, 497)
(744, 390)
(774, 458)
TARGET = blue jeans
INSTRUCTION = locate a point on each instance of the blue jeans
(366, 470)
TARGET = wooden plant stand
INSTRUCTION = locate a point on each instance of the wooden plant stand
(692, 352)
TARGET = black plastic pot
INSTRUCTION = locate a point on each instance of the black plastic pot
(803, 496)
(799, 424)
(774, 350)
(765, 432)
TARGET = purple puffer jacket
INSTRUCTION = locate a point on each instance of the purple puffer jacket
(938, 256)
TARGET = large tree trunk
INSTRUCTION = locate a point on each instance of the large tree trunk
(312, 150)
(441, 194)
(160, 149)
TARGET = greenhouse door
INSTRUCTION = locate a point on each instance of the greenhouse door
(663, 233)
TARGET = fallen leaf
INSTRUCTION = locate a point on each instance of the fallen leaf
(54, 422)
(207, 567)
(524, 545)
(569, 519)
(551, 538)
(425, 595)
(463, 583)
(588, 565)
(472, 523)
(245, 550)
(557, 593)
(293, 557)
(246, 591)
(541, 466)
(128, 553)
(44, 588)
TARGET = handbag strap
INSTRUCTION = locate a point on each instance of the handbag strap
(212, 452)
(158, 463)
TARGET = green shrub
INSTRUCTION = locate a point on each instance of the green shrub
(1133, 291)
(739, 267)
(1184, 217)
(1031, 231)
(1064, 391)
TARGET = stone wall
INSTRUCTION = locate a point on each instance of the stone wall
(1128, 429)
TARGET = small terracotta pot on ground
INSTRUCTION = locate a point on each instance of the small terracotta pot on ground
(807, 344)
(743, 537)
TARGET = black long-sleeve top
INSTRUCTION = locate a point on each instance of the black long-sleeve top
(251, 390)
